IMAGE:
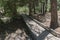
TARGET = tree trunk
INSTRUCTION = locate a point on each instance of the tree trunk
(43, 8)
(34, 7)
(30, 8)
(46, 1)
(14, 9)
(37, 2)
(54, 16)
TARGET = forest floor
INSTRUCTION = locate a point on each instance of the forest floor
(48, 20)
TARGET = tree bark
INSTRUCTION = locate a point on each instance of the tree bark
(54, 16)
(46, 1)
(14, 8)
(30, 8)
(43, 5)
(34, 7)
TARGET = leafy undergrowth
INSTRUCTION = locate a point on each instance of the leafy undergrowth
(13, 30)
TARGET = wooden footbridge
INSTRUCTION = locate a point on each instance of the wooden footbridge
(39, 30)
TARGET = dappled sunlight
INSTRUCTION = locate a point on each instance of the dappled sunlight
(39, 31)
(17, 35)
(29, 19)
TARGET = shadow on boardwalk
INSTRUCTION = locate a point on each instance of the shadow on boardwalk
(43, 35)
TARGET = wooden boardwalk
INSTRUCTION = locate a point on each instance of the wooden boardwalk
(40, 32)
